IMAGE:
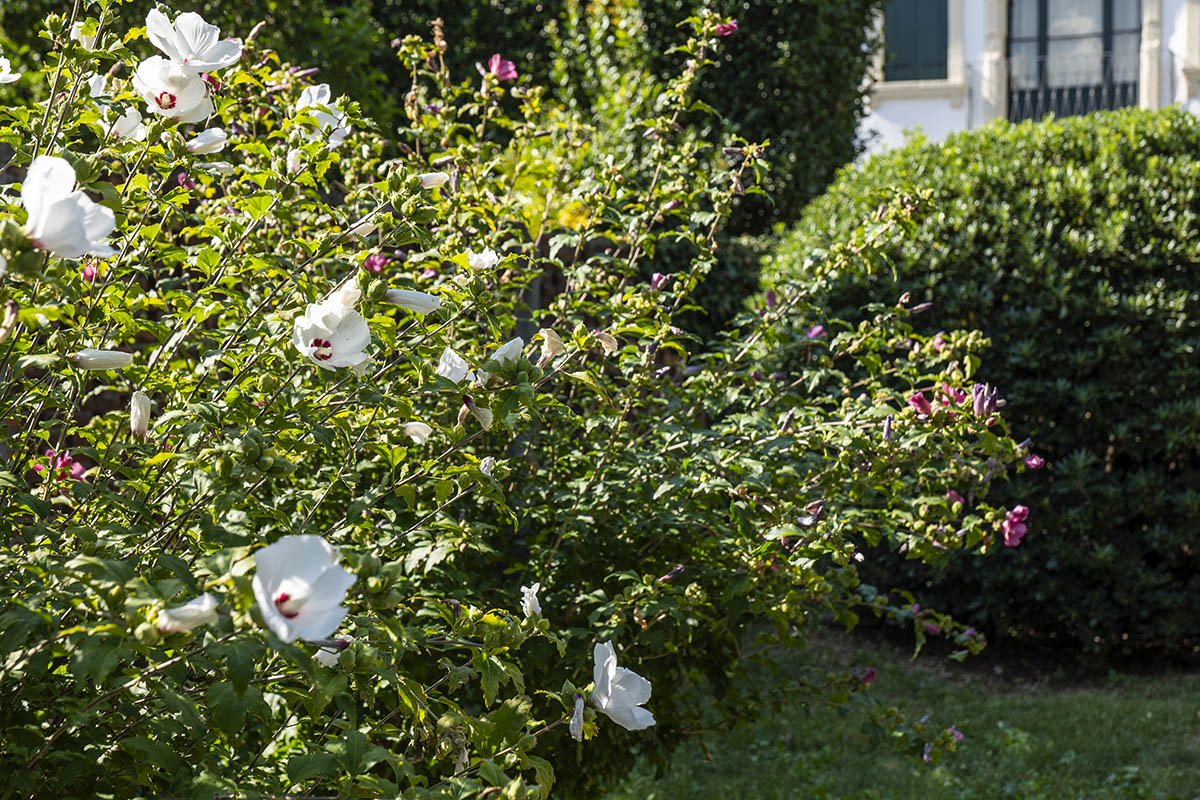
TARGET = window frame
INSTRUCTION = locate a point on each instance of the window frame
(953, 87)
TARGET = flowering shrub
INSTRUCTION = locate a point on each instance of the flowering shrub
(1072, 249)
(354, 466)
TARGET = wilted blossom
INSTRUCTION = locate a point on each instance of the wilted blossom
(672, 575)
(576, 726)
(919, 402)
(607, 341)
(867, 676)
(1013, 525)
(887, 428)
(191, 42)
(91, 358)
(727, 28)
(482, 414)
(1034, 461)
(483, 261)
(955, 732)
(432, 180)
(139, 414)
(552, 346)
(658, 281)
(529, 600)
(983, 399)
(193, 614)
(419, 302)
(62, 467)
(619, 693)
(317, 101)
(452, 366)
(815, 332)
(300, 587)
(417, 431)
(330, 651)
(510, 351)
(954, 497)
(210, 141)
(62, 219)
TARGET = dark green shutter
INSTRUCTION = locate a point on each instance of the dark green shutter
(915, 39)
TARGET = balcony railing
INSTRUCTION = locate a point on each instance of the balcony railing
(1071, 84)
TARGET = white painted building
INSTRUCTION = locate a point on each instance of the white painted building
(953, 65)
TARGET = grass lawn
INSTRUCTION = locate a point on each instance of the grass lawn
(1026, 737)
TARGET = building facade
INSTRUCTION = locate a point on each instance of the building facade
(952, 65)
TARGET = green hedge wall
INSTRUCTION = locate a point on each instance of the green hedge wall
(1074, 244)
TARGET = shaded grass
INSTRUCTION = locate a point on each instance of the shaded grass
(1125, 736)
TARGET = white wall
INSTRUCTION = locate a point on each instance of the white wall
(1174, 89)
(885, 127)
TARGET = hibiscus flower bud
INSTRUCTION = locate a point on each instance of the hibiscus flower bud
(727, 28)
(576, 725)
(816, 332)
(919, 402)
(90, 358)
(887, 428)
(9, 323)
(658, 281)
(201, 611)
(139, 414)
(529, 600)
(294, 157)
(1033, 460)
(487, 465)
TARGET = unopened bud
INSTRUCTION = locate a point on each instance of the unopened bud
(9, 323)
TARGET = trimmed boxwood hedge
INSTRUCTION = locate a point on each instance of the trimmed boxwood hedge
(1074, 244)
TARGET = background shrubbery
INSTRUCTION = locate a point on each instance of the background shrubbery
(1073, 245)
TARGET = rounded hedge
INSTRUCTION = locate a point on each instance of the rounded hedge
(1072, 244)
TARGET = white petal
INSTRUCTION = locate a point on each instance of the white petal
(452, 367)
(193, 614)
(161, 34)
(629, 687)
(510, 350)
(432, 180)
(210, 141)
(577, 719)
(48, 180)
(483, 261)
(420, 302)
(417, 431)
(484, 415)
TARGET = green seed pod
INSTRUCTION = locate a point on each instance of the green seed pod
(265, 463)
(250, 448)
(525, 391)
(224, 465)
(147, 634)
(268, 383)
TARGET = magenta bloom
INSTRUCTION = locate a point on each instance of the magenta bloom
(984, 399)
(727, 28)
(931, 629)
(62, 467)
(1034, 461)
(376, 262)
(950, 394)
(429, 274)
(185, 181)
(1013, 526)
(954, 497)
(503, 70)
(955, 732)
(919, 402)
(937, 343)
(658, 281)
(867, 677)
(816, 332)
(88, 273)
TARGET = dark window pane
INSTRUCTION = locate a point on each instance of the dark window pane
(915, 38)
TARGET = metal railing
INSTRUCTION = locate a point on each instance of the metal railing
(1071, 84)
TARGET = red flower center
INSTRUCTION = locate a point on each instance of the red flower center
(166, 100)
(324, 350)
(286, 606)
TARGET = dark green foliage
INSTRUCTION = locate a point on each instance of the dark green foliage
(1073, 245)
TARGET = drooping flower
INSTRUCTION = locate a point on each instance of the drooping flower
(331, 651)
(510, 351)
(501, 68)
(300, 587)
(1034, 461)
(193, 614)
(887, 428)
(483, 415)
(139, 414)
(331, 333)
(1013, 527)
(86, 42)
(919, 402)
(419, 302)
(318, 103)
(576, 725)
(815, 332)
(62, 467)
(417, 431)
(432, 180)
(619, 693)
(658, 281)
(67, 223)
(727, 28)
(984, 399)
(552, 346)
(452, 366)
(483, 261)
(6, 73)
(91, 358)
(191, 42)
(172, 91)
(607, 341)
(127, 126)
(210, 141)
(529, 600)
(486, 466)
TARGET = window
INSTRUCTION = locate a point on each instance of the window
(915, 40)
(1072, 57)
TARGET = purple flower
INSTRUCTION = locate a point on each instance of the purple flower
(658, 280)
(1034, 461)
(867, 677)
(502, 69)
(185, 181)
(954, 497)
(938, 342)
(727, 28)
(953, 731)
(429, 274)
(983, 399)
(62, 467)
(928, 751)
(931, 629)
(672, 575)
(770, 298)
(1013, 526)
(376, 262)
(816, 332)
(919, 402)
